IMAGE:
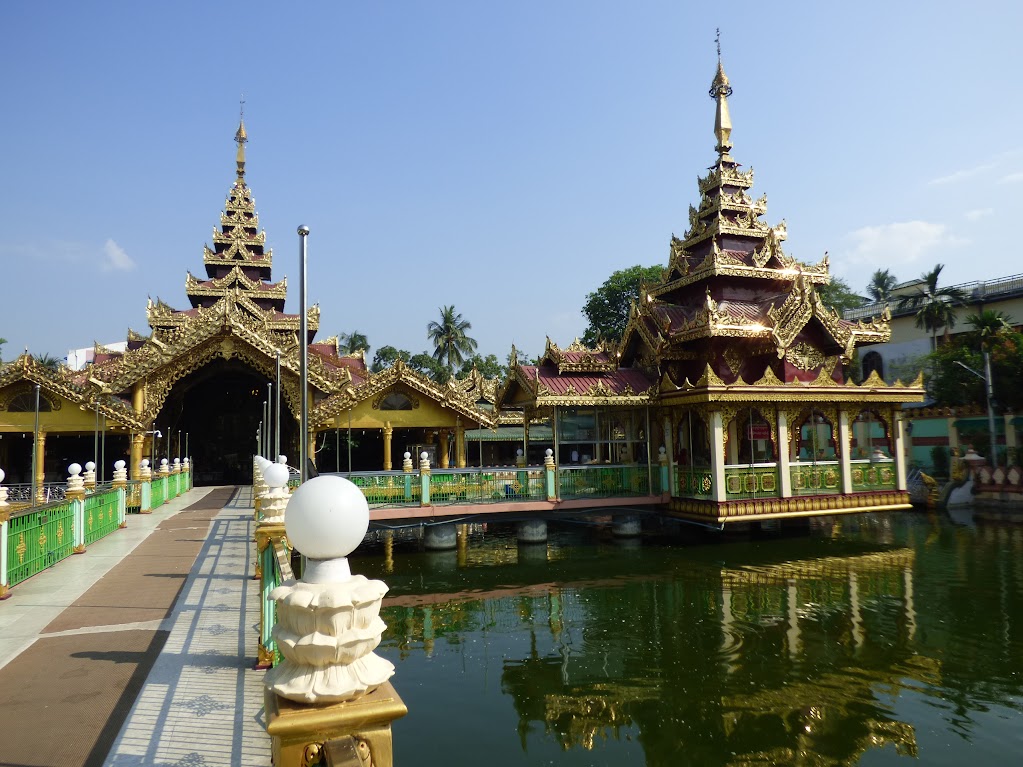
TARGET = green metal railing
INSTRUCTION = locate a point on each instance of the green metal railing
(275, 567)
(388, 488)
(160, 492)
(868, 476)
(816, 478)
(756, 481)
(38, 538)
(694, 482)
(101, 515)
(487, 486)
(602, 481)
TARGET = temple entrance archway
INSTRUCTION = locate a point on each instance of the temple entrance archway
(220, 407)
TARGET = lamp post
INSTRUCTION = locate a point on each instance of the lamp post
(303, 371)
(35, 450)
(270, 421)
(990, 394)
(277, 409)
(152, 445)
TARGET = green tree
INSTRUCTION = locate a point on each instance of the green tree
(50, 362)
(489, 366)
(450, 340)
(952, 385)
(988, 323)
(935, 307)
(2, 342)
(838, 295)
(429, 366)
(386, 356)
(607, 308)
(882, 283)
(350, 343)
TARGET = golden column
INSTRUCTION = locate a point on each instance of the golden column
(459, 443)
(442, 449)
(40, 463)
(388, 431)
(137, 442)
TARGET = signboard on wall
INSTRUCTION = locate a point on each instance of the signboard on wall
(759, 431)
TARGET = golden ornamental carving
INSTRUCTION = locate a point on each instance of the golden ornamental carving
(793, 315)
(805, 356)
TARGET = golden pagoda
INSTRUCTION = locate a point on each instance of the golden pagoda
(732, 368)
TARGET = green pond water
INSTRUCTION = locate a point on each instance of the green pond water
(874, 640)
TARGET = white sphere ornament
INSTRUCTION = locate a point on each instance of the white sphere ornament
(282, 459)
(276, 475)
(145, 463)
(74, 468)
(407, 455)
(2, 475)
(90, 466)
(118, 465)
(163, 462)
(327, 518)
(519, 452)
(548, 452)
(177, 461)
(424, 455)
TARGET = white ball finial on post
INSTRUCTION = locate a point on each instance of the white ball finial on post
(328, 623)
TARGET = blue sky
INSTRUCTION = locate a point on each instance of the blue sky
(501, 157)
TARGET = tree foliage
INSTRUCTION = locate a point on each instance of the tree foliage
(2, 342)
(951, 384)
(838, 295)
(350, 343)
(450, 338)
(935, 307)
(607, 308)
(489, 366)
(882, 283)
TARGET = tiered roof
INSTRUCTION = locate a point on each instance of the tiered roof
(731, 297)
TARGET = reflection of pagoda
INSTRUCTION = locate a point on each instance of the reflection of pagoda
(687, 678)
(743, 361)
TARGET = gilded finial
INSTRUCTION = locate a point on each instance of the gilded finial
(720, 90)
(241, 138)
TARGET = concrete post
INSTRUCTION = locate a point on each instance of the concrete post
(784, 474)
(550, 475)
(845, 450)
(5, 516)
(665, 472)
(424, 479)
(388, 432)
(717, 455)
(76, 494)
(460, 459)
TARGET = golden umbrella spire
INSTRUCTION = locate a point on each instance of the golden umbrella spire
(241, 139)
(720, 90)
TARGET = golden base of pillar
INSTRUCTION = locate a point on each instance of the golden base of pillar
(123, 525)
(147, 511)
(4, 592)
(80, 549)
(264, 658)
(298, 731)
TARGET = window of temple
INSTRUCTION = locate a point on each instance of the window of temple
(750, 439)
(871, 437)
(396, 401)
(815, 438)
(25, 402)
(872, 361)
(692, 447)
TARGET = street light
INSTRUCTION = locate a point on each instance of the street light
(152, 445)
(303, 341)
(989, 391)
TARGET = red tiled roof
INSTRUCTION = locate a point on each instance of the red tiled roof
(617, 382)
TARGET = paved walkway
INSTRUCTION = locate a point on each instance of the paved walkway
(139, 652)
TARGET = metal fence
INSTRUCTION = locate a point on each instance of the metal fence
(39, 538)
(603, 481)
(451, 486)
(101, 515)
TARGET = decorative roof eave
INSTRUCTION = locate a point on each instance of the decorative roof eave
(588, 364)
(239, 234)
(705, 271)
(725, 175)
(229, 280)
(399, 373)
(719, 225)
(710, 388)
(228, 257)
(583, 400)
(26, 368)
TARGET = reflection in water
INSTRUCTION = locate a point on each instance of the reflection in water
(875, 637)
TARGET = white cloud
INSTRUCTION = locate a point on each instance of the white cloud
(978, 213)
(965, 173)
(892, 246)
(116, 258)
(1012, 178)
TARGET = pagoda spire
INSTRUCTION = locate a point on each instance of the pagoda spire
(720, 90)
(241, 138)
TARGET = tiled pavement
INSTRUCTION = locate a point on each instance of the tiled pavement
(202, 704)
(89, 649)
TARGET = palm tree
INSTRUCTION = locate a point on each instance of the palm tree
(350, 343)
(50, 362)
(451, 344)
(988, 324)
(934, 307)
(881, 285)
